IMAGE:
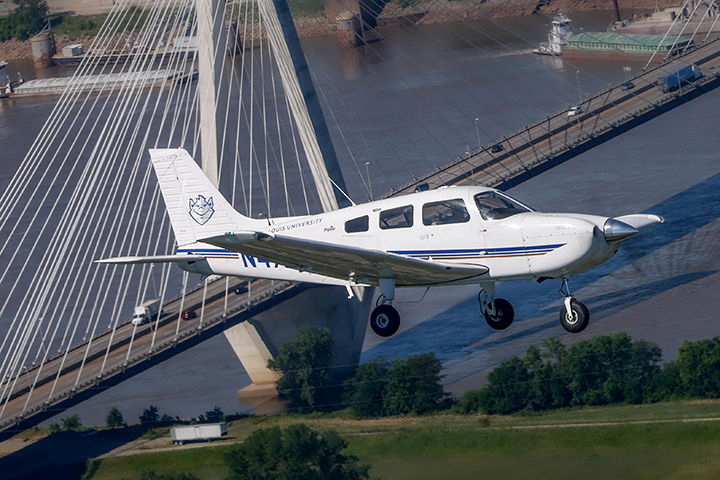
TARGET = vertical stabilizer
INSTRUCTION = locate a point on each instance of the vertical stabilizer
(196, 207)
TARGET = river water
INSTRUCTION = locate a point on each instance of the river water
(419, 98)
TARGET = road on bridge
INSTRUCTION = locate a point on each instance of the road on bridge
(91, 361)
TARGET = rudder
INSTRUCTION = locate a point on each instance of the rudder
(196, 207)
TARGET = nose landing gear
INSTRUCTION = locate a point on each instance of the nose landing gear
(498, 312)
(574, 316)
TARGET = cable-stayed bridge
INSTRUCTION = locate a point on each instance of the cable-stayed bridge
(35, 389)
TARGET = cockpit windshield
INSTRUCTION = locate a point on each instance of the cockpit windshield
(496, 205)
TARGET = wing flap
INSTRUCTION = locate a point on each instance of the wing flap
(343, 261)
(152, 259)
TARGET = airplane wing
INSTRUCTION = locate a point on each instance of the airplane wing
(152, 259)
(344, 262)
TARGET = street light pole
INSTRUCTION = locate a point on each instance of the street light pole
(477, 131)
(367, 171)
(577, 76)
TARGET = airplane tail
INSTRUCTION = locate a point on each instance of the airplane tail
(196, 207)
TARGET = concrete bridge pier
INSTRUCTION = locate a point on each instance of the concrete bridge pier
(259, 339)
(349, 30)
(367, 10)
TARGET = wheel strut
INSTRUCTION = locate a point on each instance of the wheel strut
(574, 316)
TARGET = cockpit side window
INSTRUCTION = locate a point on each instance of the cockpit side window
(400, 217)
(496, 205)
(359, 224)
(445, 212)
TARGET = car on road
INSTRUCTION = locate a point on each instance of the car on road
(89, 433)
(241, 288)
(627, 86)
(576, 110)
(188, 314)
(497, 148)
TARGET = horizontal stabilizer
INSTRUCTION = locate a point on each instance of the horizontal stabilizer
(154, 259)
(641, 221)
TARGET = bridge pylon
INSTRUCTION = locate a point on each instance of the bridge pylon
(256, 341)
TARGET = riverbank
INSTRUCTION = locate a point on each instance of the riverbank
(433, 12)
(626, 441)
(16, 49)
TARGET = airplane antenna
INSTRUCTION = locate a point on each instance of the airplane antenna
(341, 191)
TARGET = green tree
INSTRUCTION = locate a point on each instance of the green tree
(605, 369)
(27, 19)
(611, 369)
(365, 390)
(297, 452)
(71, 423)
(114, 418)
(696, 372)
(150, 414)
(508, 389)
(413, 385)
(215, 415)
(304, 364)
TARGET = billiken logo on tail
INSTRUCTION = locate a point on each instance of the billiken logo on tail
(201, 210)
(443, 237)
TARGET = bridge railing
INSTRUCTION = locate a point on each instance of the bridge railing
(140, 357)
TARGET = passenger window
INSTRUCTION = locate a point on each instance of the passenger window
(445, 212)
(401, 217)
(496, 205)
(355, 225)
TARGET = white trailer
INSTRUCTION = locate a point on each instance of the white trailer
(190, 433)
(143, 313)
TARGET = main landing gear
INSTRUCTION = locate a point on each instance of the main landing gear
(498, 312)
(574, 316)
(384, 319)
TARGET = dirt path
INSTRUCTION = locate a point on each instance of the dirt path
(140, 447)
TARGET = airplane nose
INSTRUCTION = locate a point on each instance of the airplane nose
(616, 231)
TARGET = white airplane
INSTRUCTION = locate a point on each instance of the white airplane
(448, 236)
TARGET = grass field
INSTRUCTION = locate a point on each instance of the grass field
(466, 446)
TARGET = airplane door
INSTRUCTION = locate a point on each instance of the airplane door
(504, 247)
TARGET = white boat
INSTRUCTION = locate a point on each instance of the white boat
(7, 87)
(559, 34)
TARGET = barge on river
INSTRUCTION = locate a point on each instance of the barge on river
(564, 41)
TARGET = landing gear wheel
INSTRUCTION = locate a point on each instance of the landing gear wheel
(385, 320)
(577, 319)
(504, 315)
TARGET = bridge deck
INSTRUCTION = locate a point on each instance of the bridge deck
(128, 356)
(526, 153)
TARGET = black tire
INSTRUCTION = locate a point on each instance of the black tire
(579, 319)
(505, 314)
(385, 320)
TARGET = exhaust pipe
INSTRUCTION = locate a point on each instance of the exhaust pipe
(616, 231)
